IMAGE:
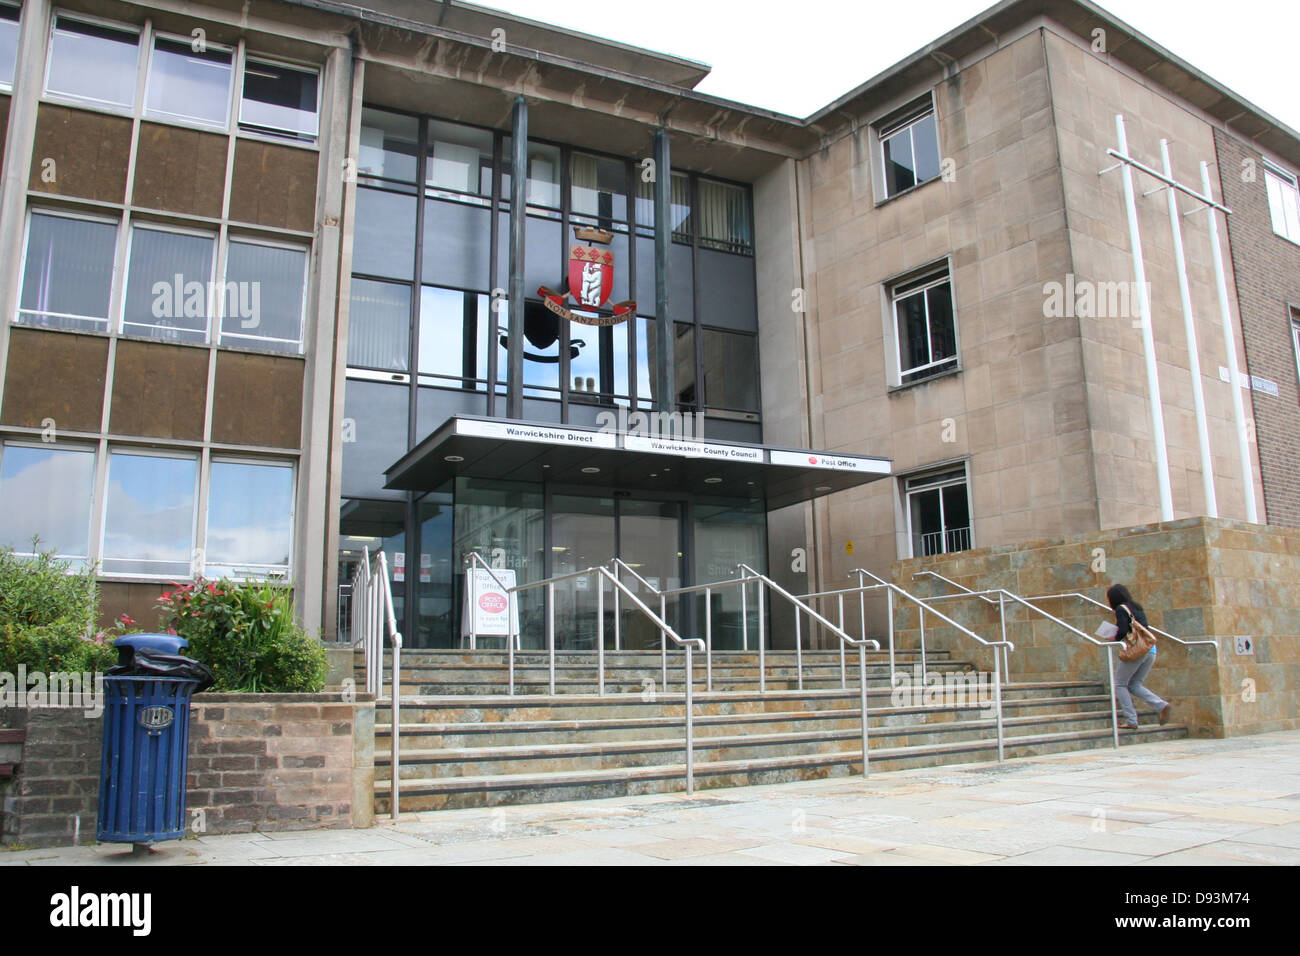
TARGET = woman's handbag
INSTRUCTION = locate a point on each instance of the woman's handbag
(1139, 641)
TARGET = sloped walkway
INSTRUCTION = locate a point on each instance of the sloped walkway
(1197, 802)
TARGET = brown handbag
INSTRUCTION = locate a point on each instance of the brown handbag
(1139, 641)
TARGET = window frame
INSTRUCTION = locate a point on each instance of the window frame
(236, 459)
(195, 455)
(1290, 185)
(7, 86)
(939, 483)
(219, 340)
(1294, 315)
(904, 118)
(271, 134)
(7, 441)
(175, 118)
(921, 281)
(149, 225)
(67, 213)
(74, 99)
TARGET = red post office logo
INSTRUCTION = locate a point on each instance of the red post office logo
(493, 603)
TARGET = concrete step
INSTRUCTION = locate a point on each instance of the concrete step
(508, 788)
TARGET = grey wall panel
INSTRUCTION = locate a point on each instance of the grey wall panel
(726, 289)
(435, 405)
(384, 242)
(375, 418)
(456, 245)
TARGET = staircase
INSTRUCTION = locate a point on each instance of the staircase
(465, 743)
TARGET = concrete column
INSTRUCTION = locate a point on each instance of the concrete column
(323, 352)
(665, 384)
(29, 77)
(518, 218)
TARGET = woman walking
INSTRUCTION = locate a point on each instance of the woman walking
(1130, 675)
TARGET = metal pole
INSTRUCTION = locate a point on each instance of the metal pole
(518, 218)
(744, 616)
(920, 617)
(665, 390)
(798, 647)
(762, 644)
(618, 613)
(1193, 354)
(1148, 337)
(473, 607)
(862, 696)
(1230, 346)
(1002, 618)
(396, 729)
(1114, 714)
(663, 643)
(550, 630)
(511, 638)
(997, 702)
(708, 639)
(600, 633)
(844, 678)
(690, 727)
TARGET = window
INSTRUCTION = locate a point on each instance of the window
(1295, 338)
(730, 370)
(67, 272)
(909, 150)
(453, 335)
(189, 85)
(924, 326)
(45, 492)
(149, 514)
(168, 285)
(250, 519)
(279, 100)
(8, 44)
(92, 62)
(679, 201)
(263, 296)
(724, 217)
(938, 513)
(379, 326)
(598, 187)
(1283, 202)
(389, 144)
(460, 159)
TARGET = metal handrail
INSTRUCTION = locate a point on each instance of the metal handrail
(372, 610)
(1003, 595)
(1107, 607)
(891, 589)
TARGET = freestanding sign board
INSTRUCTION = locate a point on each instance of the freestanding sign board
(488, 610)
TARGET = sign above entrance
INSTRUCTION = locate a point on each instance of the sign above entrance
(591, 281)
(810, 459)
(692, 449)
(551, 435)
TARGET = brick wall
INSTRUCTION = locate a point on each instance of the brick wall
(257, 762)
(1267, 268)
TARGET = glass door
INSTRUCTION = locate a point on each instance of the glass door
(649, 541)
(583, 534)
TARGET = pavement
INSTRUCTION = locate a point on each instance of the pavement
(1233, 802)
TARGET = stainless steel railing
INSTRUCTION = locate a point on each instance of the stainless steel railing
(1083, 597)
(372, 616)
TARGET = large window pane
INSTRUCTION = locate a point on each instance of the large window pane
(45, 492)
(900, 166)
(189, 85)
(453, 334)
(68, 277)
(167, 285)
(460, 158)
(724, 216)
(679, 202)
(250, 519)
(599, 189)
(543, 174)
(149, 518)
(8, 44)
(379, 325)
(389, 143)
(93, 62)
(264, 296)
(279, 99)
(925, 148)
(730, 370)
(384, 242)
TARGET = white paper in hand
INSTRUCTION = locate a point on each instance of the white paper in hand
(1107, 631)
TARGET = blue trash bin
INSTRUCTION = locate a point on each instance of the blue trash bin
(146, 749)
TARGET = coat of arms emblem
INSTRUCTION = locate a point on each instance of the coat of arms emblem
(591, 281)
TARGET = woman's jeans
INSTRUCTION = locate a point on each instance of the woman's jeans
(1128, 682)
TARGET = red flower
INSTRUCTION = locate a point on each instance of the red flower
(212, 588)
(126, 620)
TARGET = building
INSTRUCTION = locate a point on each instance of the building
(272, 300)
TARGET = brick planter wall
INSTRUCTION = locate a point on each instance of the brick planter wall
(256, 762)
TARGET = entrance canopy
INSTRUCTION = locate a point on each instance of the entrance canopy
(478, 447)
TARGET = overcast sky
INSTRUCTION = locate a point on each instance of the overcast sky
(797, 57)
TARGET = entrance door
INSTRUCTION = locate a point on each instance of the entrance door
(590, 529)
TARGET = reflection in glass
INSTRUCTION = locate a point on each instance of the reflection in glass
(729, 532)
(149, 515)
(599, 189)
(375, 526)
(453, 334)
(582, 535)
(46, 492)
(730, 370)
(379, 325)
(268, 282)
(93, 62)
(724, 217)
(384, 243)
(649, 541)
(503, 521)
(188, 85)
(279, 99)
(389, 143)
(460, 158)
(167, 284)
(250, 520)
(68, 277)
(435, 615)
(679, 199)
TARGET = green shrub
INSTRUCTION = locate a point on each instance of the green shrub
(47, 615)
(246, 634)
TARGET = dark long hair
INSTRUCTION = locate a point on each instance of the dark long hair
(1117, 594)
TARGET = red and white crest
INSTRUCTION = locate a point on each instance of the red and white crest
(591, 275)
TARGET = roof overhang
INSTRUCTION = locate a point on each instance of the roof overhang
(495, 448)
